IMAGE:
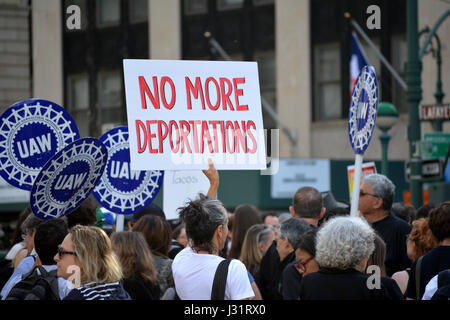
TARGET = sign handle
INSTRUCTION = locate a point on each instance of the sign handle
(120, 222)
(356, 184)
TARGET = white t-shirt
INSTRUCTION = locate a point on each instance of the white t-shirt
(193, 275)
(431, 288)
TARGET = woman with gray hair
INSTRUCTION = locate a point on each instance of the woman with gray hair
(344, 245)
(195, 266)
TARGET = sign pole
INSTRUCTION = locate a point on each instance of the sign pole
(120, 222)
(356, 184)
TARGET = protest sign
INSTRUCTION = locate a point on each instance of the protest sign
(120, 189)
(179, 187)
(31, 132)
(68, 178)
(180, 113)
(361, 122)
(366, 169)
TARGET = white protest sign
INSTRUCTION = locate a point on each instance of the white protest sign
(180, 113)
(179, 187)
(10, 194)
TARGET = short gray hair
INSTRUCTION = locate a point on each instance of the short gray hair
(343, 242)
(202, 216)
(293, 229)
(383, 188)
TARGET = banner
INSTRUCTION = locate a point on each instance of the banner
(180, 113)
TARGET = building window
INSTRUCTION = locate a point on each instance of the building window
(327, 84)
(138, 10)
(229, 4)
(78, 100)
(110, 100)
(262, 2)
(192, 7)
(108, 13)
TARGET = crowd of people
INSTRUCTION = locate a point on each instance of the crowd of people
(316, 251)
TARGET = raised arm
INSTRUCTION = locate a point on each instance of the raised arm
(213, 176)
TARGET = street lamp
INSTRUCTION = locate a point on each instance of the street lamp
(386, 118)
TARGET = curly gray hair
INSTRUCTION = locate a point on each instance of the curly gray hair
(343, 242)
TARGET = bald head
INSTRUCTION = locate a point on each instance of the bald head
(307, 203)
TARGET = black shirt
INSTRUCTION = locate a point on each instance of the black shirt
(268, 279)
(394, 232)
(435, 261)
(140, 289)
(291, 280)
(350, 284)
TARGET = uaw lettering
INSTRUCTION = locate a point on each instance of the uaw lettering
(362, 110)
(121, 170)
(70, 182)
(32, 146)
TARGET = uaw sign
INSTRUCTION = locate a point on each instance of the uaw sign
(121, 189)
(435, 112)
(361, 122)
(68, 178)
(31, 132)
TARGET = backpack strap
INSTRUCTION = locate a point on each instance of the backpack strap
(418, 270)
(220, 280)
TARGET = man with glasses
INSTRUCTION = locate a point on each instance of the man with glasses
(47, 236)
(375, 201)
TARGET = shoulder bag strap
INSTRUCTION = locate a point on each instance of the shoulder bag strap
(220, 280)
(418, 265)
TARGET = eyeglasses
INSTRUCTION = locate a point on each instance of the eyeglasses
(362, 194)
(61, 252)
(301, 266)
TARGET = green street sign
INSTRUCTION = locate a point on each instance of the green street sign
(434, 145)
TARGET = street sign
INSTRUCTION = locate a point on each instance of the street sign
(434, 145)
(435, 112)
(431, 168)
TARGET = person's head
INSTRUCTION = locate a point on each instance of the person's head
(307, 203)
(271, 219)
(344, 243)
(85, 256)
(424, 210)
(256, 242)
(179, 234)
(334, 212)
(17, 236)
(206, 222)
(49, 235)
(439, 221)
(404, 211)
(376, 195)
(420, 240)
(378, 255)
(305, 252)
(290, 232)
(245, 216)
(152, 209)
(156, 231)
(85, 214)
(28, 229)
(134, 255)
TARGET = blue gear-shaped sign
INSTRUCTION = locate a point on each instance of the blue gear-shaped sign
(122, 190)
(363, 110)
(68, 178)
(32, 132)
